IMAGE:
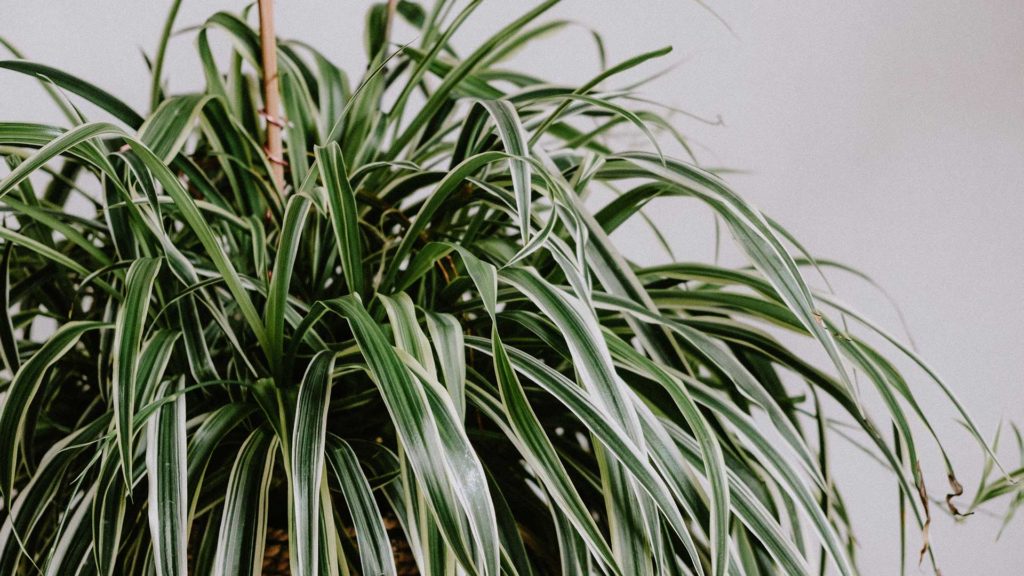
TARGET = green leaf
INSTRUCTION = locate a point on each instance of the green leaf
(341, 205)
(449, 344)
(745, 381)
(156, 90)
(168, 486)
(72, 547)
(711, 451)
(8, 344)
(284, 266)
(458, 498)
(755, 235)
(514, 137)
(23, 390)
(169, 127)
(605, 74)
(128, 330)
(307, 461)
(619, 446)
(33, 501)
(90, 92)
(533, 443)
(375, 555)
(243, 525)
(108, 511)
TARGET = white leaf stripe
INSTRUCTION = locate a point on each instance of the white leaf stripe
(739, 374)
(35, 498)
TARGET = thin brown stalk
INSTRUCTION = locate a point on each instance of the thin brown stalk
(392, 6)
(271, 93)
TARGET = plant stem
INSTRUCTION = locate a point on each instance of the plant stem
(271, 94)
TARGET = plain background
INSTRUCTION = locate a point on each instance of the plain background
(886, 135)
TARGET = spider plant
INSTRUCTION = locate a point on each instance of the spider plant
(321, 305)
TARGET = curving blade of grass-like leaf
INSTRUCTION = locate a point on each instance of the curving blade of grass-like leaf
(449, 344)
(44, 217)
(90, 92)
(775, 462)
(208, 435)
(184, 202)
(583, 337)
(295, 217)
(755, 235)
(711, 450)
(448, 185)
(750, 511)
(407, 332)
(156, 91)
(341, 204)
(971, 425)
(739, 374)
(470, 531)
(526, 431)
(34, 499)
(51, 254)
(424, 63)
(618, 445)
(197, 349)
(375, 556)
(451, 80)
(72, 548)
(167, 129)
(108, 510)
(783, 317)
(243, 524)
(514, 137)
(611, 269)
(8, 344)
(23, 390)
(297, 102)
(25, 134)
(128, 330)
(156, 355)
(594, 82)
(307, 461)
(168, 484)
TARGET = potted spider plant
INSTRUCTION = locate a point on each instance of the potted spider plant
(311, 323)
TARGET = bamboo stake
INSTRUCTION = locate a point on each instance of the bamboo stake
(392, 6)
(271, 93)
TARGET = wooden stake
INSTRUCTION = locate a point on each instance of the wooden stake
(271, 93)
(392, 6)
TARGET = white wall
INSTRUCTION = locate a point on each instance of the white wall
(888, 135)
